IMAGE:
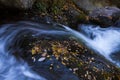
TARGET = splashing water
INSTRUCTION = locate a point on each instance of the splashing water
(105, 41)
(10, 68)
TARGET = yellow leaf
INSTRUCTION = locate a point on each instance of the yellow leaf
(33, 52)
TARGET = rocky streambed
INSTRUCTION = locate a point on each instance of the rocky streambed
(62, 59)
(57, 57)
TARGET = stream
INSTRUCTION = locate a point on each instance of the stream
(105, 41)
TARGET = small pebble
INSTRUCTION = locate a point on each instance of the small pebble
(41, 59)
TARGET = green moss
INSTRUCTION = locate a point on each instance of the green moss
(81, 17)
(55, 10)
(50, 6)
(40, 6)
(56, 6)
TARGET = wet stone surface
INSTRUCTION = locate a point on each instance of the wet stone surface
(68, 60)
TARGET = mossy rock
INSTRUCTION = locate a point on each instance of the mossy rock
(82, 18)
(49, 6)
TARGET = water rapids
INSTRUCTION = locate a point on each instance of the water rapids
(106, 41)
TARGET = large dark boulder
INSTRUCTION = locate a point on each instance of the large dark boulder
(105, 16)
(115, 2)
(117, 23)
(21, 4)
(88, 5)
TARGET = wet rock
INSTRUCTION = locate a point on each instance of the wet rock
(64, 58)
(21, 4)
(69, 57)
(88, 5)
(105, 16)
(115, 2)
(52, 69)
(117, 23)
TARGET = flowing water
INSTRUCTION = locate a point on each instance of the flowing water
(11, 36)
(106, 41)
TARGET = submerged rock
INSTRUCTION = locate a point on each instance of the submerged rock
(70, 57)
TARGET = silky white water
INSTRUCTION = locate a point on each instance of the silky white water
(106, 41)
(11, 34)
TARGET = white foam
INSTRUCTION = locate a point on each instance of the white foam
(103, 40)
